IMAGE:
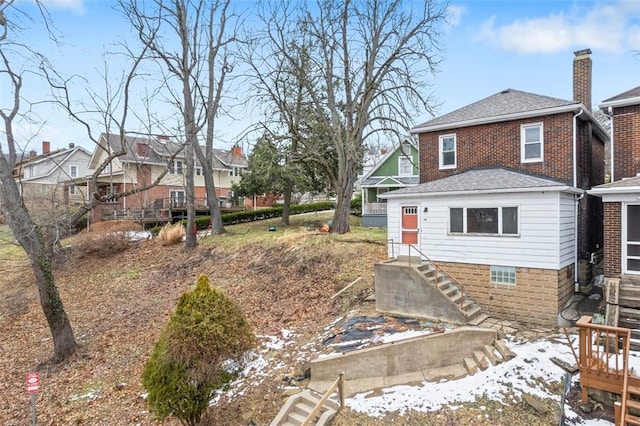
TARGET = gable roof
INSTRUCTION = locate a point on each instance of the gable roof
(59, 157)
(489, 180)
(506, 105)
(389, 154)
(630, 97)
(162, 148)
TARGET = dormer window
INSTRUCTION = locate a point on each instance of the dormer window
(532, 143)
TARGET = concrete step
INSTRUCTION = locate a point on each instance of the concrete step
(472, 311)
(506, 353)
(470, 365)
(449, 291)
(455, 297)
(481, 360)
(492, 355)
(443, 285)
(477, 319)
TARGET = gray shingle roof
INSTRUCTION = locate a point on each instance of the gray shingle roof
(162, 149)
(633, 182)
(506, 102)
(632, 93)
(479, 180)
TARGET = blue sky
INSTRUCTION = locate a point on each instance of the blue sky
(489, 46)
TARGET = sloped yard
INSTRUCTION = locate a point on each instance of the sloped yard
(285, 281)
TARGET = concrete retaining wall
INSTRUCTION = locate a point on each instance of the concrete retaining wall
(403, 290)
(400, 362)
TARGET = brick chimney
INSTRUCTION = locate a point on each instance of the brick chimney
(237, 150)
(46, 147)
(582, 77)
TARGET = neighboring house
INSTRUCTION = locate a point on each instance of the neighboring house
(42, 178)
(144, 160)
(621, 197)
(502, 206)
(397, 169)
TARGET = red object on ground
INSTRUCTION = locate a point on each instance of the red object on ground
(33, 383)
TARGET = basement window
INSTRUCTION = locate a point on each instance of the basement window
(503, 274)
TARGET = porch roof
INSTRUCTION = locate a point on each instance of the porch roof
(622, 186)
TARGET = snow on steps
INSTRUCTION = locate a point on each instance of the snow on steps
(300, 405)
(487, 356)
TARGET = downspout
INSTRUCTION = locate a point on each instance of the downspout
(576, 281)
(612, 157)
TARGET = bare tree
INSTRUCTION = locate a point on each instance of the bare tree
(31, 237)
(38, 239)
(367, 70)
(200, 66)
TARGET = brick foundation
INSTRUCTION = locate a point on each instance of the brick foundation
(536, 298)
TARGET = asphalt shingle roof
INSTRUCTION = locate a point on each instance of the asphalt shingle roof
(632, 93)
(480, 180)
(632, 182)
(506, 102)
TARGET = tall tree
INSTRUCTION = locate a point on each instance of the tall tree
(367, 71)
(37, 238)
(202, 31)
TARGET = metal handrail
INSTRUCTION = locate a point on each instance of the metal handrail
(435, 265)
(339, 384)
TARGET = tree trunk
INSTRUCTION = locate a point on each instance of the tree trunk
(344, 191)
(40, 252)
(286, 207)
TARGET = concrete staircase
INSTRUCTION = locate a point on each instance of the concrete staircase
(472, 311)
(487, 356)
(300, 405)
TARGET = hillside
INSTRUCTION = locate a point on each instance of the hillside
(286, 283)
(119, 303)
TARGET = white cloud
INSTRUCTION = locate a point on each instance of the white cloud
(454, 14)
(611, 26)
(73, 5)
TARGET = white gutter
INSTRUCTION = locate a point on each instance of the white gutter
(621, 102)
(576, 281)
(564, 188)
(611, 164)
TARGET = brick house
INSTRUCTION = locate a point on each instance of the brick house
(502, 203)
(621, 197)
(144, 160)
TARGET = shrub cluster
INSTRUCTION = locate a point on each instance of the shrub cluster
(187, 365)
(105, 239)
(171, 234)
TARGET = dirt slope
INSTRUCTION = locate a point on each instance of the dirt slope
(119, 303)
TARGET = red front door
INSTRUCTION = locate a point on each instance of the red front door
(410, 225)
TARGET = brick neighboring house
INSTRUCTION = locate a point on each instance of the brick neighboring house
(42, 178)
(502, 203)
(621, 197)
(145, 159)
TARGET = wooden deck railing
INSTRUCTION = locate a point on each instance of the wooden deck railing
(603, 358)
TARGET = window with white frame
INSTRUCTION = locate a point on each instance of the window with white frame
(405, 166)
(235, 171)
(73, 171)
(532, 143)
(72, 190)
(483, 220)
(29, 171)
(176, 167)
(447, 151)
(198, 170)
(503, 274)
